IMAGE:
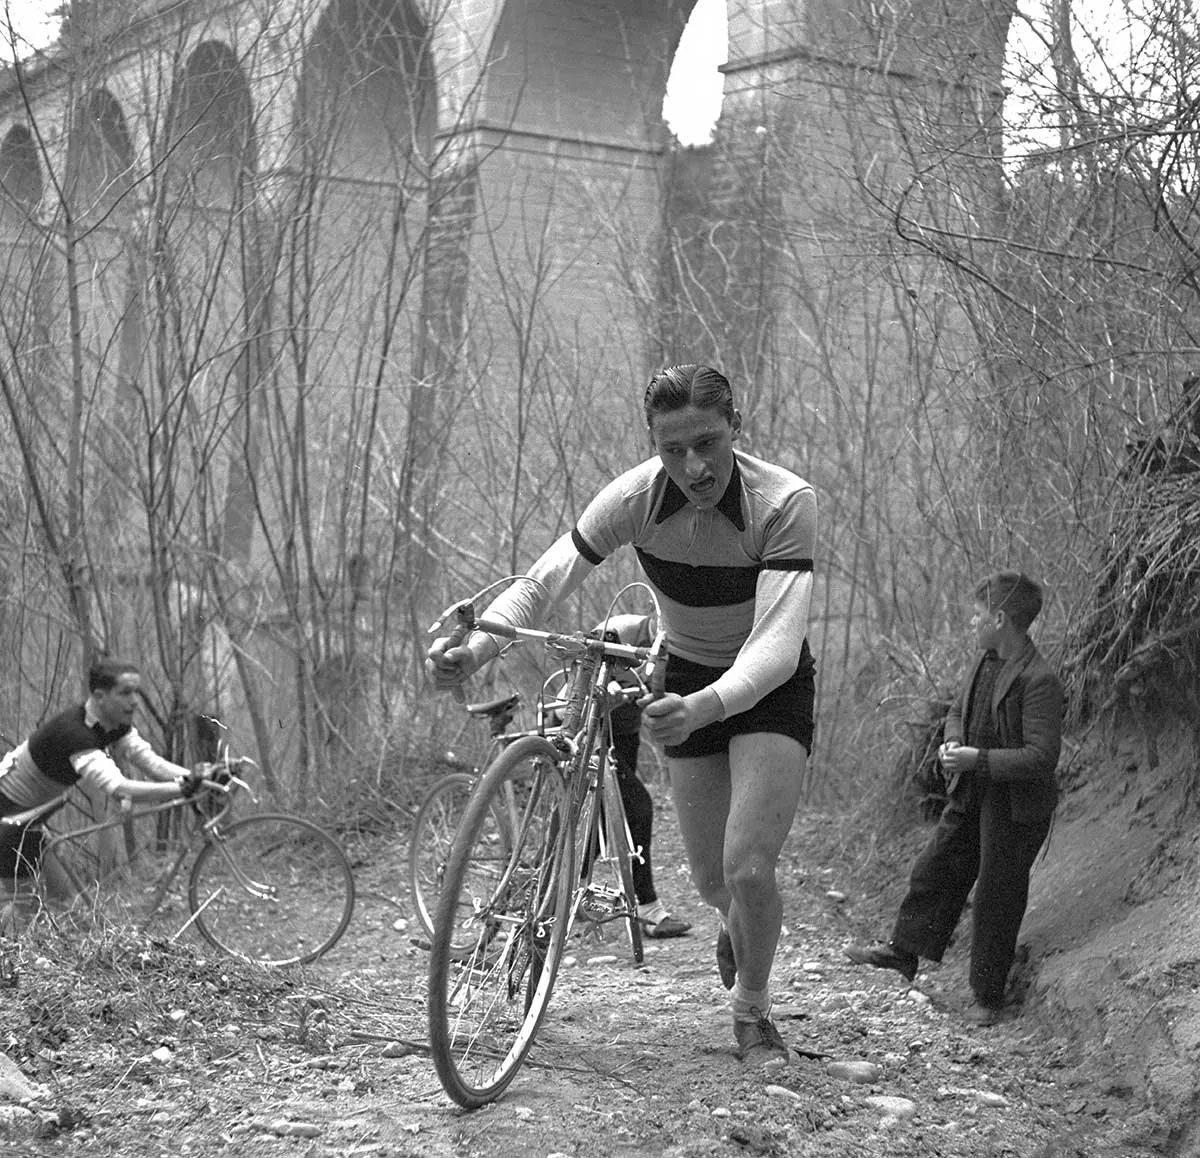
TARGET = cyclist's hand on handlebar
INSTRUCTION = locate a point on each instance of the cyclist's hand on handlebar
(448, 667)
(191, 783)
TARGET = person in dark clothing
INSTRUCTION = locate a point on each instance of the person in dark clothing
(626, 718)
(1002, 739)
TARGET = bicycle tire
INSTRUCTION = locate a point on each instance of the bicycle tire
(432, 838)
(620, 849)
(485, 1004)
(305, 898)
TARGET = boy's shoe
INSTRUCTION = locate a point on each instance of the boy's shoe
(884, 955)
(667, 926)
(979, 1014)
(726, 965)
(759, 1040)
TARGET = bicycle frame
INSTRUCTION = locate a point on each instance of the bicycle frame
(209, 831)
(585, 734)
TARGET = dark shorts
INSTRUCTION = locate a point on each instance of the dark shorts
(787, 711)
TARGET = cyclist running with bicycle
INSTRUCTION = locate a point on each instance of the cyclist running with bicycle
(78, 746)
(726, 540)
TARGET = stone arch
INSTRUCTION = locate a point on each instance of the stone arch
(570, 139)
(20, 178)
(568, 69)
(366, 103)
(205, 250)
(357, 192)
(210, 146)
(101, 162)
(364, 125)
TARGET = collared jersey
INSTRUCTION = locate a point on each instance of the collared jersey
(734, 580)
(70, 748)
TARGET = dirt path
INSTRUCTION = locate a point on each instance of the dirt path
(332, 1061)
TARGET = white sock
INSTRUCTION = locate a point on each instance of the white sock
(750, 1004)
(653, 912)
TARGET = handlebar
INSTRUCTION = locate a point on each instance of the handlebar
(570, 644)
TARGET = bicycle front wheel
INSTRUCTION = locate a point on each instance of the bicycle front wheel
(510, 907)
(275, 890)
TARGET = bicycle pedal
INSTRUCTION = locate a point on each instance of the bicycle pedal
(600, 904)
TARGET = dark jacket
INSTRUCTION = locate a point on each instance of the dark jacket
(1027, 711)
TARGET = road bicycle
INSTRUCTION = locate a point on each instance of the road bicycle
(268, 888)
(508, 902)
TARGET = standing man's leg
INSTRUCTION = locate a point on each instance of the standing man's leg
(700, 787)
(766, 777)
(734, 814)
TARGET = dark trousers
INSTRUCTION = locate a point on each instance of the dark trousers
(20, 845)
(639, 812)
(978, 843)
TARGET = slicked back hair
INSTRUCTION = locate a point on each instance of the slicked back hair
(675, 387)
(105, 673)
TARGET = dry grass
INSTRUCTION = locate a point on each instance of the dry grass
(1139, 644)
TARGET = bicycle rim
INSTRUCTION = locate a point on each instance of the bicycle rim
(485, 1003)
(432, 838)
(275, 890)
(620, 853)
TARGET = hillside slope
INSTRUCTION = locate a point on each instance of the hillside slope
(1114, 934)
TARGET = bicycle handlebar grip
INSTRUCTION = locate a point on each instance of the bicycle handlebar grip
(658, 670)
(497, 627)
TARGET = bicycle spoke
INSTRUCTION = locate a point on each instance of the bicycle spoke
(486, 999)
(272, 889)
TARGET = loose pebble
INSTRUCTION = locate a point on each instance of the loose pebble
(863, 1072)
(901, 1109)
(292, 1129)
(781, 1092)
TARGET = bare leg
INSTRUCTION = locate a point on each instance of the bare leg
(767, 775)
(734, 814)
(700, 788)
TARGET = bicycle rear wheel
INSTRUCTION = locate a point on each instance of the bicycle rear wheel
(511, 907)
(272, 889)
(432, 838)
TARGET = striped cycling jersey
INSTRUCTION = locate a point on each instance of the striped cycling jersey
(734, 581)
(70, 748)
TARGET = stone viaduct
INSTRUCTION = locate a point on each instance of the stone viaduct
(504, 133)
(391, 203)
